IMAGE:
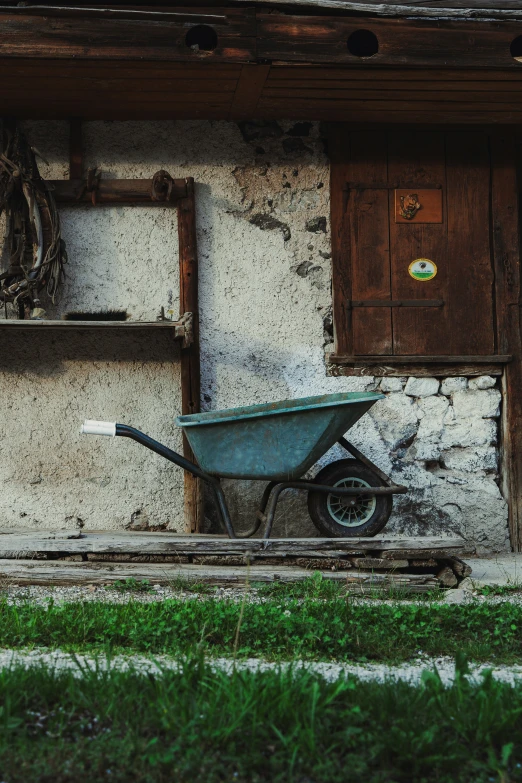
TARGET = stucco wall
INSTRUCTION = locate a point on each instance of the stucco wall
(264, 252)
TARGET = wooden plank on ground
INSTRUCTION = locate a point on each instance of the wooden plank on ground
(164, 543)
(60, 573)
(42, 535)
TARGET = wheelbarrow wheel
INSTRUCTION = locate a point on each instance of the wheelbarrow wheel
(348, 517)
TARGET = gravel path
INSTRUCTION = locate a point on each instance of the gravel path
(41, 595)
(59, 660)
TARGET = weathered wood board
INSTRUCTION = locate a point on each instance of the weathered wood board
(59, 573)
(165, 543)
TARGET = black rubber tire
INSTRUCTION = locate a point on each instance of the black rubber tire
(318, 502)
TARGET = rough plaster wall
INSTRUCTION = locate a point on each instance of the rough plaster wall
(118, 258)
(264, 249)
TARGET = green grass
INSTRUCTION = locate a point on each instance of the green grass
(197, 725)
(317, 586)
(310, 629)
(131, 585)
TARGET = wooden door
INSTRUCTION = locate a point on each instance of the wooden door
(448, 174)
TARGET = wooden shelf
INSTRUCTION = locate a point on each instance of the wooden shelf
(27, 325)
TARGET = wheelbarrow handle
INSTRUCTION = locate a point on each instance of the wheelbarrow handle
(91, 427)
(111, 429)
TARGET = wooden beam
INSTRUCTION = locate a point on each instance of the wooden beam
(136, 37)
(409, 42)
(190, 361)
(398, 359)
(113, 191)
(396, 370)
(248, 92)
(506, 260)
(120, 542)
(69, 573)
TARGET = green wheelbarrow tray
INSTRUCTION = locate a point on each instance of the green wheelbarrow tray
(278, 443)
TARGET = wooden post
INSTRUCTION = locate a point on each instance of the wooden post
(505, 240)
(75, 149)
(190, 368)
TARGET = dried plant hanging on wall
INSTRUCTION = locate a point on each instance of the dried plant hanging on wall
(34, 251)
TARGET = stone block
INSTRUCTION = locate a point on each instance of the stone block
(432, 412)
(425, 450)
(391, 385)
(396, 419)
(471, 459)
(475, 510)
(468, 432)
(482, 382)
(451, 385)
(447, 578)
(477, 404)
(421, 387)
(457, 596)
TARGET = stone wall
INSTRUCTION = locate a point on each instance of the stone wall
(264, 251)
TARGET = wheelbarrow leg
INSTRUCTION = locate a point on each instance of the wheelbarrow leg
(272, 505)
(222, 507)
(260, 514)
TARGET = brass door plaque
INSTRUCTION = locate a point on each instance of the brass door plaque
(418, 206)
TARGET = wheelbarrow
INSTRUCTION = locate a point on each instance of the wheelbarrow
(278, 443)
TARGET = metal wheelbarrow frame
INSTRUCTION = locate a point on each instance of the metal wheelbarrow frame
(315, 424)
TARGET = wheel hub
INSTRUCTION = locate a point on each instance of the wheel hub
(351, 511)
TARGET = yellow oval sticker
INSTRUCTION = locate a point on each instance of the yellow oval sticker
(422, 269)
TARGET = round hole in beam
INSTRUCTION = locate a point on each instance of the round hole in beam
(516, 48)
(363, 43)
(202, 38)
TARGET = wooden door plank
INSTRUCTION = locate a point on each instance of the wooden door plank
(470, 294)
(360, 241)
(367, 212)
(506, 257)
(417, 157)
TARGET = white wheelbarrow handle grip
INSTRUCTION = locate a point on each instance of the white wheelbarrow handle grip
(90, 427)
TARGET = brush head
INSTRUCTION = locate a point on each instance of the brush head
(100, 315)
